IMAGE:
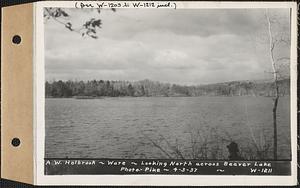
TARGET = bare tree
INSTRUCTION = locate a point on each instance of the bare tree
(274, 42)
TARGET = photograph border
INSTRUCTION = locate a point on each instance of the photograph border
(39, 112)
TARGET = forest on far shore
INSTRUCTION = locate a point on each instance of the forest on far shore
(148, 88)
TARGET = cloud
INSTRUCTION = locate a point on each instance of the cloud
(182, 46)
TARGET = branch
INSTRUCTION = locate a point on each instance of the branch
(283, 41)
(158, 146)
(272, 45)
(283, 59)
(174, 148)
(89, 28)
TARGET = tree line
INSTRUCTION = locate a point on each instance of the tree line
(148, 88)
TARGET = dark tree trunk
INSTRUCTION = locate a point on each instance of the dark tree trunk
(276, 98)
(275, 127)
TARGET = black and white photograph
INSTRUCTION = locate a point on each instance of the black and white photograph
(167, 91)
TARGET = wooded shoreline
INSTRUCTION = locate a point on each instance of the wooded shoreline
(148, 88)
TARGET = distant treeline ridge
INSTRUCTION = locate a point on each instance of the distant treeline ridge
(150, 88)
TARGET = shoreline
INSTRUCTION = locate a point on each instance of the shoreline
(104, 97)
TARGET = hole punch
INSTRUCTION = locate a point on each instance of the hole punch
(15, 142)
(16, 39)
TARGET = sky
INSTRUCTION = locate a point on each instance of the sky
(183, 46)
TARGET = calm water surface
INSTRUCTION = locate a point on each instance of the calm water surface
(124, 127)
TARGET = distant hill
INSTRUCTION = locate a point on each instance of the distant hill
(149, 88)
(242, 88)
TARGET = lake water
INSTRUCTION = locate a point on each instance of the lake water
(160, 127)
